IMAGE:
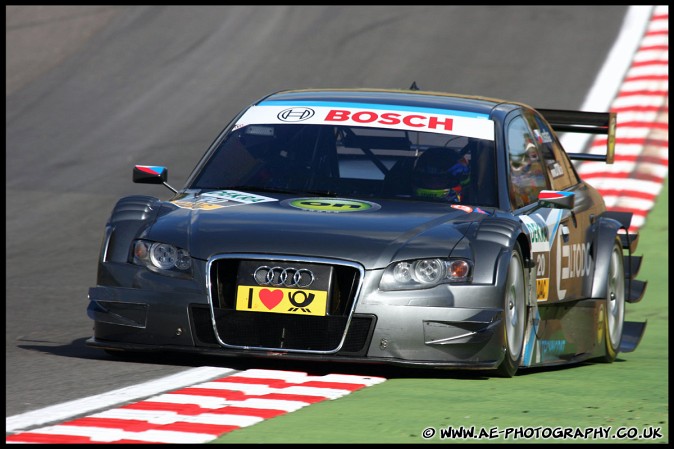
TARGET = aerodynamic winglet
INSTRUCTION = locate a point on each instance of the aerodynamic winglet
(632, 333)
(635, 290)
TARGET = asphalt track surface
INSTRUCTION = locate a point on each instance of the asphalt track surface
(93, 90)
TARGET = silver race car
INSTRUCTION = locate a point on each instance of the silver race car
(376, 226)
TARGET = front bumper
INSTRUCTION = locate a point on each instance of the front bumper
(445, 327)
(428, 336)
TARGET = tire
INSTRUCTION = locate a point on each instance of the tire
(614, 307)
(514, 315)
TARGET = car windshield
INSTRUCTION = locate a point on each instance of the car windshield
(353, 161)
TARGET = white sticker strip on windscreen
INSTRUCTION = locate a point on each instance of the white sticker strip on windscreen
(408, 119)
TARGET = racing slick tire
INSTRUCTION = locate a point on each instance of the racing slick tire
(614, 310)
(514, 315)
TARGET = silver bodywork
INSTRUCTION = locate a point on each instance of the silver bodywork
(546, 284)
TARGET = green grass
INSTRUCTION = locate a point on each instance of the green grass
(630, 393)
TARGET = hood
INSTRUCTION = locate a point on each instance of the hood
(371, 233)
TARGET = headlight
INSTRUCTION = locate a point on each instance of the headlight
(161, 257)
(425, 273)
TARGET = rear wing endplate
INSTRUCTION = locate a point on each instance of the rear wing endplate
(588, 123)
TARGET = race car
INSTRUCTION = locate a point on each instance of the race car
(402, 227)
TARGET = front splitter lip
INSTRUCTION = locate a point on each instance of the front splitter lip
(276, 355)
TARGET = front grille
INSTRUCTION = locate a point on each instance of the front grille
(287, 331)
(275, 330)
(359, 335)
(356, 343)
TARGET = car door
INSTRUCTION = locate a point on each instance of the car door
(559, 237)
(572, 248)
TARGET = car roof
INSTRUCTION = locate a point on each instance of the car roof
(410, 98)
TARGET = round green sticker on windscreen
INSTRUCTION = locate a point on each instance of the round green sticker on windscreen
(337, 205)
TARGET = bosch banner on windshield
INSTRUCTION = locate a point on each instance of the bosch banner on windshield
(373, 115)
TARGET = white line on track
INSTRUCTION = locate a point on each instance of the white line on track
(611, 75)
(636, 73)
(77, 407)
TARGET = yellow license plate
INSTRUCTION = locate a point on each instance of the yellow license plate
(281, 300)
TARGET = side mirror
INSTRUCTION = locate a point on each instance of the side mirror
(557, 199)
(150, 174)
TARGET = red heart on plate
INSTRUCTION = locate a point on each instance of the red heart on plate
(270, 298)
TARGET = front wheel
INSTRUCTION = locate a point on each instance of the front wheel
(514, 315)
(614, 314)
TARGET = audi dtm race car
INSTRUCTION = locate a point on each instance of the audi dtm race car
(376, 226)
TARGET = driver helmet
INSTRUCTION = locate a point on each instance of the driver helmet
(436, 172)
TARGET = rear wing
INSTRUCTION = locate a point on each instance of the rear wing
(588, 123)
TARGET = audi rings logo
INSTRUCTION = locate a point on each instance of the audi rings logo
(295, 114)
(283, 277)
